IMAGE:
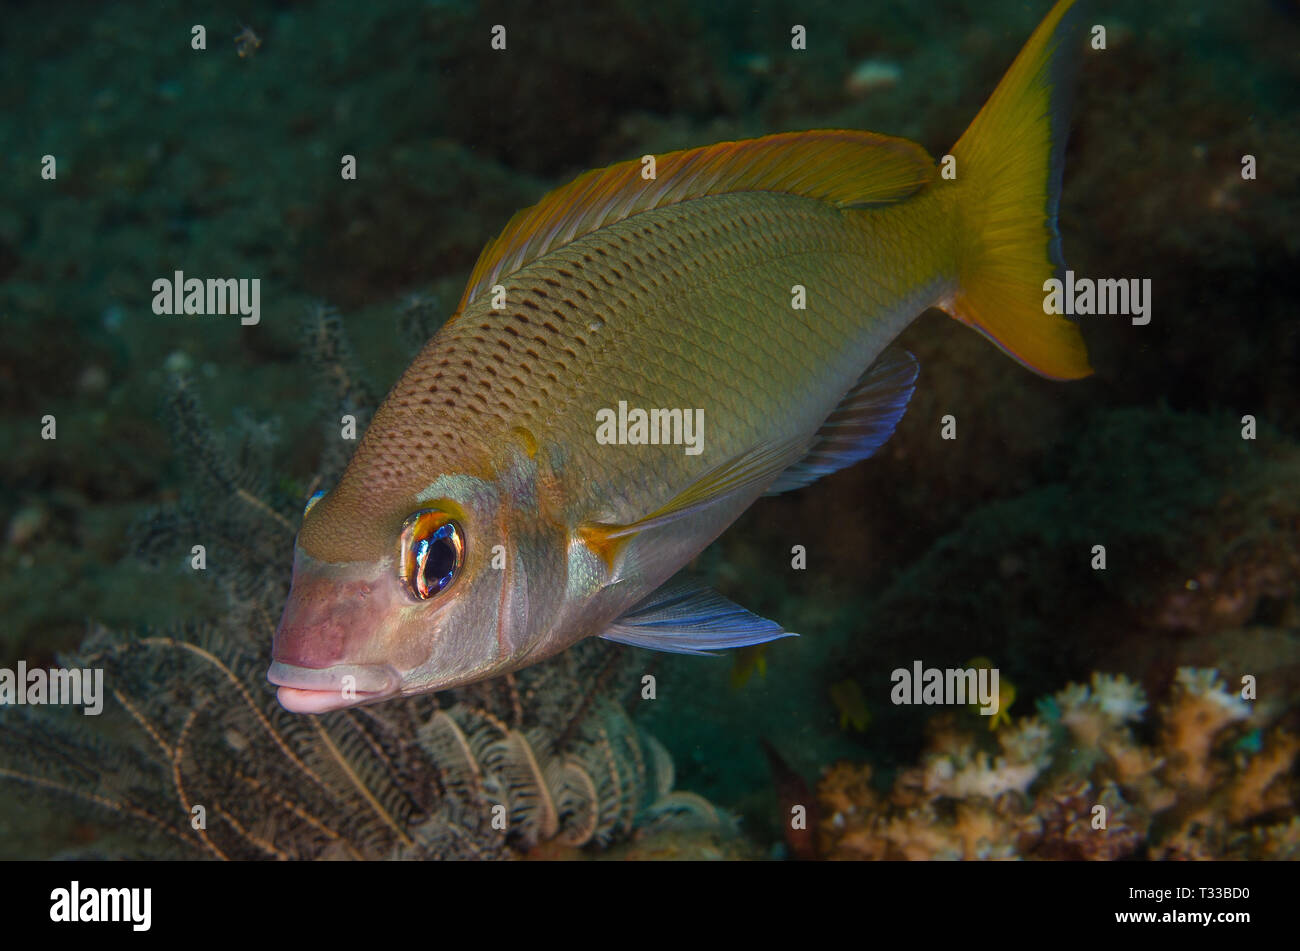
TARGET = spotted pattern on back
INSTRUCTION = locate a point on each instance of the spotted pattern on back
(681, 307)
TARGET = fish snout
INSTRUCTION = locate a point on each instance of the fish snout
(324, 622)
(328, 652)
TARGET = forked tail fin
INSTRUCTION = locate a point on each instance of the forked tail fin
(1009, 165)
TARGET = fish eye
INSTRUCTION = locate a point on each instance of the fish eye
(312, 500)
(432, 551)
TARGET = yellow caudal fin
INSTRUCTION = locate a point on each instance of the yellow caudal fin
(1009, 165)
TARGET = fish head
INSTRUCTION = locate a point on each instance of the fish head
(437, 596)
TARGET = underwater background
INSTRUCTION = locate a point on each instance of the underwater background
(1124, 683)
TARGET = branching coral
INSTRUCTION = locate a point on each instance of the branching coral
(1197, 713)
(1074, 783)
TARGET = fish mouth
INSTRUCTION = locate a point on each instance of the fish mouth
(320, 690)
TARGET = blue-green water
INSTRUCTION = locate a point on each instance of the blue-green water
(172, 158)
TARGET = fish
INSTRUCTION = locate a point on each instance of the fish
(1006, 694)
(746, 661)
(509, 497)
(793, 792)
(851, 705)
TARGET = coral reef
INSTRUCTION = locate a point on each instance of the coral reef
(1216, 782)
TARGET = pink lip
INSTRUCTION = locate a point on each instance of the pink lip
(320, 690)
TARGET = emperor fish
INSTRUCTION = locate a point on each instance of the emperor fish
(481, 526)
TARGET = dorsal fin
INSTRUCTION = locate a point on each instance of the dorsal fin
(845, 168)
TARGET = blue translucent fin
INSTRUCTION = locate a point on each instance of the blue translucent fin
(860, 425)
(687, 618)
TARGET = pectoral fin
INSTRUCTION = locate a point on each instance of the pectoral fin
(736, 477)
(861, 424)
(686, 618)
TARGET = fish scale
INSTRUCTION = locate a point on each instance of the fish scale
(741, 253)
(748, 359)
